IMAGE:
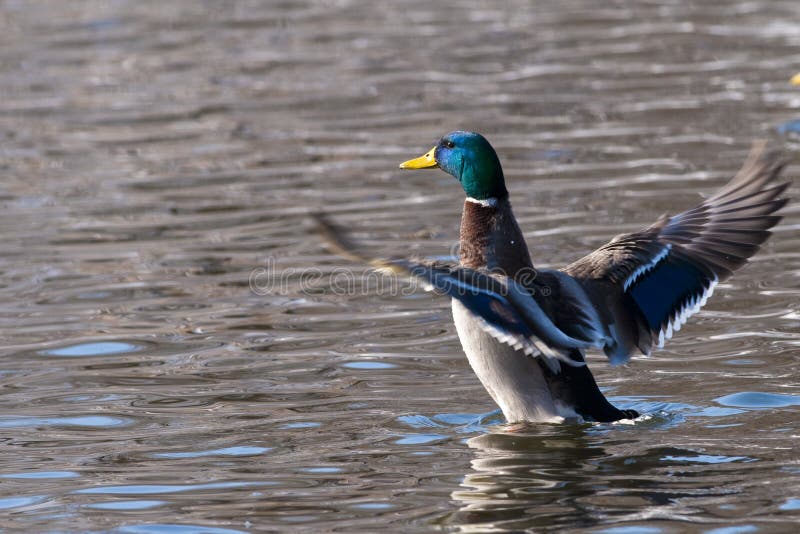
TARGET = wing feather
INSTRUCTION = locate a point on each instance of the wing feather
(667, 271)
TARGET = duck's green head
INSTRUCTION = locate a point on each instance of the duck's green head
(471, 159)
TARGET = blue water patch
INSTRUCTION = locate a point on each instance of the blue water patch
(155, 489)
(791, 504)
(736, 529)
(18, 502)
(166, 528)
(228, 451)
(126, 505)
(460, 422)
(708, 459)
(632, 529)
(99, 348)
(715, 411)
(743, 361)
(757, 399)
(792, 126)
(42, 475)
(459, 419)
(301, 424)
(418, 421)
(419, 439)
(373, 506)
(469, 423)
(369, 365)
(97, 421)
(321, 470)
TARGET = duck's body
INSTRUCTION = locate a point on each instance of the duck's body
(525, 331)
(492, 240)
(517, 385)
(525, 388)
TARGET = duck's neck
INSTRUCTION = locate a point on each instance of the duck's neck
(491, 238)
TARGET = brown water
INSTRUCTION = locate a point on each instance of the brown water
(157, 156)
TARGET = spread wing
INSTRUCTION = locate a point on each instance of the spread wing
(506, 309)
(650, 282)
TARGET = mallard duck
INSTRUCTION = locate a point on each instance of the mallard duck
(525, 331)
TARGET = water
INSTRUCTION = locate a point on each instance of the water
(157, 157)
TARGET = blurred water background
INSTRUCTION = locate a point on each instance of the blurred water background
(158, 156)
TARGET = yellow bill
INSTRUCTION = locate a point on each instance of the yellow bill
(423, 162)
(795, 79)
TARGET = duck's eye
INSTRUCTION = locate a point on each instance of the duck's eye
(448, 144)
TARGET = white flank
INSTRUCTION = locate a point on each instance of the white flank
(515, 382)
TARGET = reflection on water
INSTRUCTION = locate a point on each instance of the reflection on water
(92, 349)
(755, 399)
(557, 477)
(157, 158)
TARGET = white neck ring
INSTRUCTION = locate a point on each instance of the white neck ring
(486, 203)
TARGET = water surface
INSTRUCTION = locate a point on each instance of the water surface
(157, 158)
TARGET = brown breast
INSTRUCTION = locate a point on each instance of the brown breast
(491, 239)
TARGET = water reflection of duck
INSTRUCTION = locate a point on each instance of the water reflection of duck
(545, 469)
(525, 331)
(556, 478)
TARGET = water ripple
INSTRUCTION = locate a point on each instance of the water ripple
(759, 400)
(156, 155)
